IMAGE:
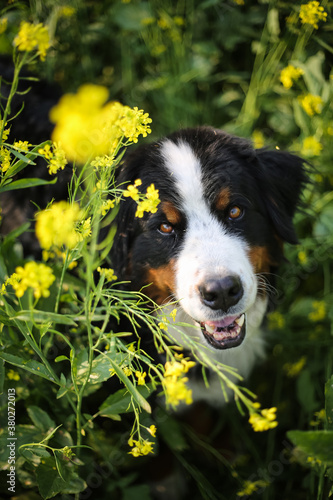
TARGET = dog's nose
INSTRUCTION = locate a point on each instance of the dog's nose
(221, 293)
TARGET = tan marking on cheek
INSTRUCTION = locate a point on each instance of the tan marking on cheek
(223, 199)
(260, 259)
(163, 282)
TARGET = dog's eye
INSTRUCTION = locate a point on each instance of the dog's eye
(166, 228)
(235, 213)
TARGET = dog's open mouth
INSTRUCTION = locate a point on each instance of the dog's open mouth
(226, 333)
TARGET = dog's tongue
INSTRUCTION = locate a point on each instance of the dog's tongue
(227, 332)
(223, 323)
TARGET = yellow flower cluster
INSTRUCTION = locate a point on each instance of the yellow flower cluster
(58, 225)
(106, 206)
(5, 159)
(311, 147)
(22, 146)
(174, 382)
(3, 24)
(148, 203)
(12, 375)
(250, 487)
(33, 37)
(108, 273)
(311, 13)
(55, 156)
(294, 369)
(39, 277)
(140, 447)
(264, 420)
(312, 104)
(289, 75)
(88, 127)
(276, 320)
(319, 311)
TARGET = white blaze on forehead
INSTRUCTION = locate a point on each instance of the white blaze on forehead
(185, 169)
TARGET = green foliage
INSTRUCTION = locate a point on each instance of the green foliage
(186, 63)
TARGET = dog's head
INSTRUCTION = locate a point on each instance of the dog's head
(217, 237)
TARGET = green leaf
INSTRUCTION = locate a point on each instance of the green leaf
(2, 375)
(329, 402)
(131, 387)
(50, 483)
(44, 317)
(170, 430)
(120, 402)
(40, 418)
(30, 365)
(306, 391)
(314, 444)
(25, 183)
(5, 319)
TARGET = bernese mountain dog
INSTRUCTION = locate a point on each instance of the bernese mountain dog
(213, 247)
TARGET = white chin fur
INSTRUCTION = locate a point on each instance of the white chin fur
(242, 358)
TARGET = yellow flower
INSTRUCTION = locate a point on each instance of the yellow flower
(302, 257)
(263, 421)
(12, 375)
(56, 157)
(174, 382)
(140, 448)
(108, 273)
(289, 75)
(148, 204)
(311, 146)
(312, 104)
(276, 320)
(56, 225)
(176, 391)
(106, 206)
(294, 369)
(22, 146)
(4, 160)
(14, 278)
(319, 311)
(88, 127)
(5, 132)
(250, 487)
(311, 13)
(67, 11)
(173, 314)
(105, 161)
(258, 139)
(132, 192)
(3, 24)
(37, 276)
(152, 430)
(141, 377)
(33, 37)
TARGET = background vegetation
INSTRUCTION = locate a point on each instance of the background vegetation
(188, 63)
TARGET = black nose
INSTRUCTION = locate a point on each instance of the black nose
(221, 293)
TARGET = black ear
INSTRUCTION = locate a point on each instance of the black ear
(282, 178)
(127, 224)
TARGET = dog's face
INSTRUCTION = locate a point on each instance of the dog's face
(218, 234)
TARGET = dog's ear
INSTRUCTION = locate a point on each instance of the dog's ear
(282, 178)
(126, 223)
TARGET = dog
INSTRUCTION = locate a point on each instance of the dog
(213, 248)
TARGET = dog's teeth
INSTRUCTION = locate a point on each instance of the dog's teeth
(240, 320)
(218, 335)
(209, 329)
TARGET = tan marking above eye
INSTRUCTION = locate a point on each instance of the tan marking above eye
(223, 199)
(235, 212)
(166, 228)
